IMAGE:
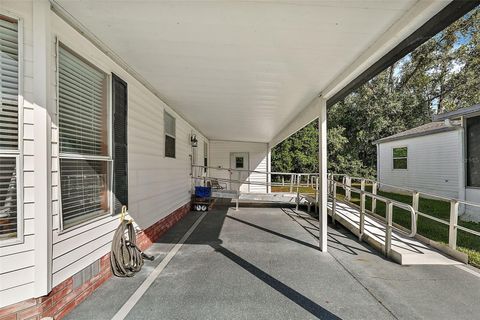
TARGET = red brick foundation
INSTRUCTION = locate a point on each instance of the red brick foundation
(64, 298)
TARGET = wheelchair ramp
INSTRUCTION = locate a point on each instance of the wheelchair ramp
(405, 250)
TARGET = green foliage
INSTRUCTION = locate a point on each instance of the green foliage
(441, 75)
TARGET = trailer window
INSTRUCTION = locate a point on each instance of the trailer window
(170, 135)
(400, 158)
(9, 150)
(84, 144)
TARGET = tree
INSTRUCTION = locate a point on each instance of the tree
(441, 75)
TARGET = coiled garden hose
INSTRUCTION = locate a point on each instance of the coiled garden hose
(126, 258)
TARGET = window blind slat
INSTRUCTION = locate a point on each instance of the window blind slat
(8, 85)
(8, 197)
(83, 188)
(83, 131)
(82, 106)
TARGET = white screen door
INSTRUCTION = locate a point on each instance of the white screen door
(239, 161)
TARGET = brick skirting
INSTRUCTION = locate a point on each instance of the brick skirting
(64, 298)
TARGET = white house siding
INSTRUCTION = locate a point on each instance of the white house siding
(17, 260)
(220, 157)
(433, 164)
(157, 185)
(472, 213)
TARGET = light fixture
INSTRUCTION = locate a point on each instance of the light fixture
(193, 140)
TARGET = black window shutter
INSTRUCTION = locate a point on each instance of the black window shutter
(473, 152)
(120, 148)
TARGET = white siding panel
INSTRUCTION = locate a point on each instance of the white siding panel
(433, 164)
(9, 279)
(220, 156)
(17, 260)
(15, 294)
(157, 185)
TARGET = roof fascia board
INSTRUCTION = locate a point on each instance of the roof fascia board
(465, 112)
(384, 52)
(415, 135)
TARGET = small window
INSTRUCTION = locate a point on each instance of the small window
(84, 144)
(400, 156)
(238, 162)
(170, 134)
(9, 150)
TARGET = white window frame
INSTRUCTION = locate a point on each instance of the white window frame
(108, 158)
(17, 154)
(170, 135)
(394, 158)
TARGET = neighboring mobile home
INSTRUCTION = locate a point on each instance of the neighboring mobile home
(440, 158)
(102, 101)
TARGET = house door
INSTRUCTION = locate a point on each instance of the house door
(239, 161)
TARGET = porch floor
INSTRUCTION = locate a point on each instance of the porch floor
(263, 263)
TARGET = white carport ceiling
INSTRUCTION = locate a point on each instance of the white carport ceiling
(240, 70)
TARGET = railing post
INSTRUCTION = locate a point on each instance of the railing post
(415, 203)
(348, 190)
(316, 195)
(388, 229)
(298, 191)
(230, 178)
(452, 232)
(362, 212)
(283, 181)
(291, 182)
(374, 200)
(334, 201)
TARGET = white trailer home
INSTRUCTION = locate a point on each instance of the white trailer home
(102, 103)
(439, 158)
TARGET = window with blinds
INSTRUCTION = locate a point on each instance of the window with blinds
(83, 135)
(9, 152)
(170, 135)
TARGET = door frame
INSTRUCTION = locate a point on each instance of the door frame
(247, 155)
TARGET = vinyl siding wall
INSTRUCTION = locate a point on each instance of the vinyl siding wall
(433, 164)
(17, 261)
(220, 156)
(158, 185)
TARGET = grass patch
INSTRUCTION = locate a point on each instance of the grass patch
(287, 189)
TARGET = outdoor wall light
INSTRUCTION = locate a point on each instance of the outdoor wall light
(193, 140)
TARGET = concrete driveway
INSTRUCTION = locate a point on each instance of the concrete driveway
(263, 263)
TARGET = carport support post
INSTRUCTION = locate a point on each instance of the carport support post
(322, 166)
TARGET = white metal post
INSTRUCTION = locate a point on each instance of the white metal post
(374, 200)
(348, 191)
(42, 62)
(415, 203)
(362, 214)
(322, 166)
(299, 177)
(334, 201)
(452, 232)
(388, 229)
(269, 169)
